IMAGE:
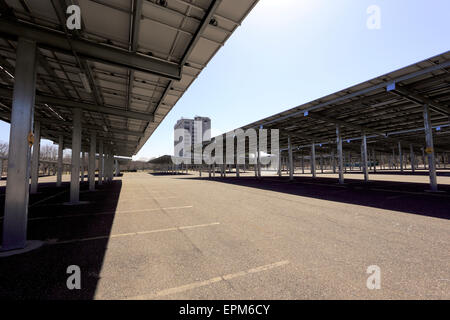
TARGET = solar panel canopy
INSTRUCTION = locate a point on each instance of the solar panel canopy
(126, 67)
(387, 109)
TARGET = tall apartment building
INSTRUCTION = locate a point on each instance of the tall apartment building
(195, 131)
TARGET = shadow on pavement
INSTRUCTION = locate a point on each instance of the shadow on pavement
(439, 173)
(397, 196)
(41, 274)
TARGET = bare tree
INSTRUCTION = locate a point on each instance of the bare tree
(49, 152)
(4, 147)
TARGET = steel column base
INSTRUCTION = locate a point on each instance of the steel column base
(30, 245)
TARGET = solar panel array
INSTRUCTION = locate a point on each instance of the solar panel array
(122, 105)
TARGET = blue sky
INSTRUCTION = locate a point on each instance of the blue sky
(288, 52)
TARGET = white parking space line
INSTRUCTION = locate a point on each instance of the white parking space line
(48, 198)
(108, 213)
(154, 209)
(139, 198)
(133, 233)
(208, 282)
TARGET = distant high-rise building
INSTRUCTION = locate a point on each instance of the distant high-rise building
(189, 132)
(205, 133)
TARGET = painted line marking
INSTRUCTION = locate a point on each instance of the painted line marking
(139, 198)
(48, 198)
(199, 284)
(118, 235)
(155, 209)
(108, 213)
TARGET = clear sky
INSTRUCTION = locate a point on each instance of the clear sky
(288, 52)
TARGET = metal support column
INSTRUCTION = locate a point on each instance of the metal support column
(60, 161)
(291, 163)
(413, 158)
(303, 163)
(76, 149)
(35, 157)
(258, 161)
(353, 162)
(393, 164)
(374, 161)
(111, 167)
(321, 161)
(100, 162)
(340, 154)
(430, 148)
(400, 156)
(92, 150)
(82, 166)
(17, 185)
(349, 160)
(279, 163)
(364, 158)
(105, 164)
(108, 166)
(313, 159)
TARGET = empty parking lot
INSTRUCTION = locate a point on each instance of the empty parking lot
(147, 236)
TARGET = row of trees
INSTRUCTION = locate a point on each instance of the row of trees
(50, 153)
(47, 152)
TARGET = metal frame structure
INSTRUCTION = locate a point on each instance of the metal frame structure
(109, 83)
(374, 108)
(133, 71)
(409, 108)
